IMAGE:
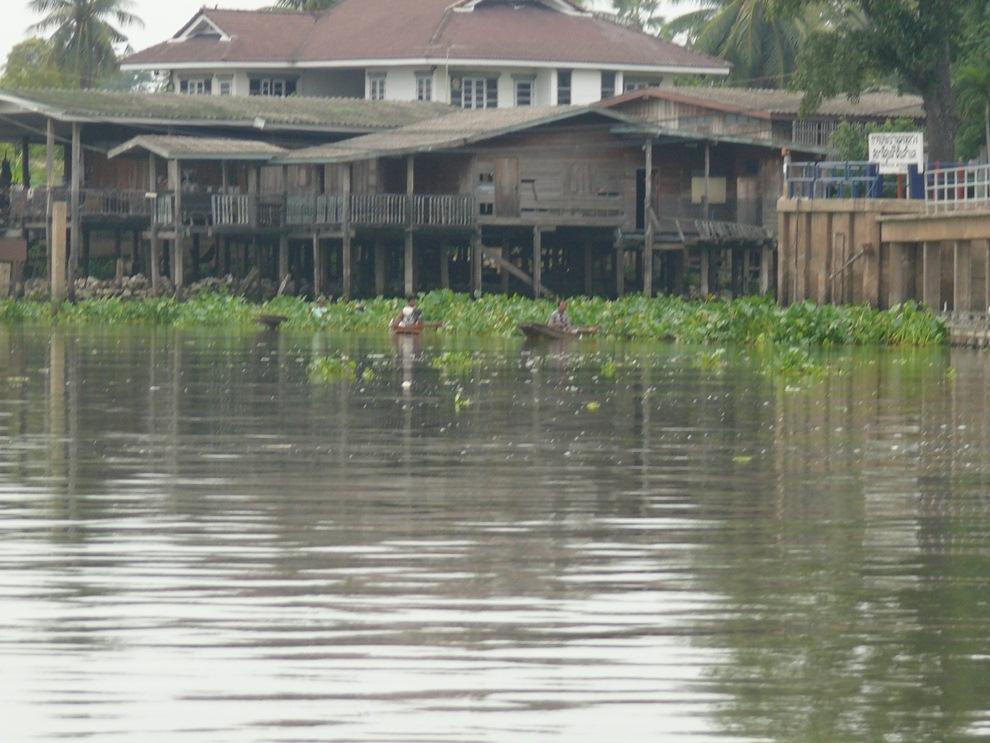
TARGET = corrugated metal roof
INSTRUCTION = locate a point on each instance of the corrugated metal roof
(755, 101)
(260, 112)
(433, 29)
(443, 133)
(199, 148)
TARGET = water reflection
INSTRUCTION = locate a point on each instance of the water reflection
(196, 541)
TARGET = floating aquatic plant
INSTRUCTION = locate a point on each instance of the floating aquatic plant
(330, 369)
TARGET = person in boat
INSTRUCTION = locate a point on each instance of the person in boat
(410, 315)
(559, 320)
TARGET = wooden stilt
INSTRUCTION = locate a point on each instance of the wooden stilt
(444, 266)
(647, 260)
(589, 277)
(317, 266)
(178, 246)
(409, 263)
(705, 288)
(537, 272)
(283, 259)
(58, 258)
(118, 251)
(476, 258)
(766, 270)
(75, 238)
(379, 267)
(345, 264)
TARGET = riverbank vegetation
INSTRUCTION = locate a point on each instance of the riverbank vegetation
(747, 321)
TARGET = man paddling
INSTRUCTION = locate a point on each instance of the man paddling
(410, 315)
(559, 319)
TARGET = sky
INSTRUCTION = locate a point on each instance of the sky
(162, 19)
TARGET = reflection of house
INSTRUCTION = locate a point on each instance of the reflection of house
(473, 53)
(564, 198)
(756, 113)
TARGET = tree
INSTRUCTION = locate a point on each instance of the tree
(641, 14)
(913, 43)
(30, 65)
(84, 34)
(762, 46)
(308, 6)
(973, 87)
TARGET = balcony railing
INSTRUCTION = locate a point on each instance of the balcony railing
(379, 209)
(958, 187)
(444, 210)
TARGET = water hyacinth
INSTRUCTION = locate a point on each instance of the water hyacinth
(748, 320)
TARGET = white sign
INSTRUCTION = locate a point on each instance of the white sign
(894, 151)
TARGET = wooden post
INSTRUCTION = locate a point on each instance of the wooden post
(476, 257)
(620, 268)
(135, 266)
(444, 266)
(962, 278)
(317, 266)
(986, 288)
(346, 225)
(283, 259)
(766, 260)
(537, 261)
(409, 263)
(75, 233)
(178, 248)
(57, 275)
(379, 267)
(705, 288)
(648, 225)
(931, 275)
(50, 183)
(118, 250)
(26, 162)
(706, 194)
(589, 278)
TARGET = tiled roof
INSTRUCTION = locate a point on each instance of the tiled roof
(260, 112)
(199, 148)
(879, 104)
(367, 30)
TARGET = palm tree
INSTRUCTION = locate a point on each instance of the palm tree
(84, 33)
(761, 42)
(973, 86)
(308, 6)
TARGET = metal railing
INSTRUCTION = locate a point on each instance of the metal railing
(958, 187)
(834, 180)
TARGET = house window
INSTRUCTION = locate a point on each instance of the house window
(608, 84)
(276, 87)
(475, 92)
(524, 91)
(639, 84)
(376, 87)
(224, 86)
(195, 86)
(563, 87)
(424, 87)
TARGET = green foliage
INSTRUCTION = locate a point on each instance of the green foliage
(454, 363)
(30, 64)
(762, 45)
(84, 34)
(308, 6)
(973, 87)
(747, 321)
(851, 141)
(332, 369)
(15, 311)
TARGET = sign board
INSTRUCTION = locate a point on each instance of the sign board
(894, 151)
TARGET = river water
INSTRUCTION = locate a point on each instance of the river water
(199, 544)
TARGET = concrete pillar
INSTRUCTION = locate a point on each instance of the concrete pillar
(537, 261)
(766, 261)
(931, 275)
(962, 277)
(57, 275)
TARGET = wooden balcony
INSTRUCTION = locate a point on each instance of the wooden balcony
(30, 206)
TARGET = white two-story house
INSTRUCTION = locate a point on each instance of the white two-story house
(471, 53)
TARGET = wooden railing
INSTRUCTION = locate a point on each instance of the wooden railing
(233, 210)
(444, 210)
(114, 204)
(379, 209)
(164, 212)
(591, 209)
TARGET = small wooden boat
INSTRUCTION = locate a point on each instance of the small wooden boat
(535, 331)
(414, 329)
(271, 322)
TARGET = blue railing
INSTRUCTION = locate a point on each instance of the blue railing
(849, 180)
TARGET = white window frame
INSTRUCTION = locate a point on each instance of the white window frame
(376, 86)
(529, 83)
(196, 86)
(569, 87)
(225, 82)
(424, 86)
(475, 91)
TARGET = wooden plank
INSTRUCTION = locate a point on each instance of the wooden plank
(766, 261)
(507, 187)
(444, 267)
(819, 247)
(510, 268)
(178, 244)
(869, 236)
(346, 254)
(476, 258)
(649, 221)
(317, 266)
(283, 259)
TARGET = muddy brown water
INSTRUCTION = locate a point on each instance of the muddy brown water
(198, 544)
